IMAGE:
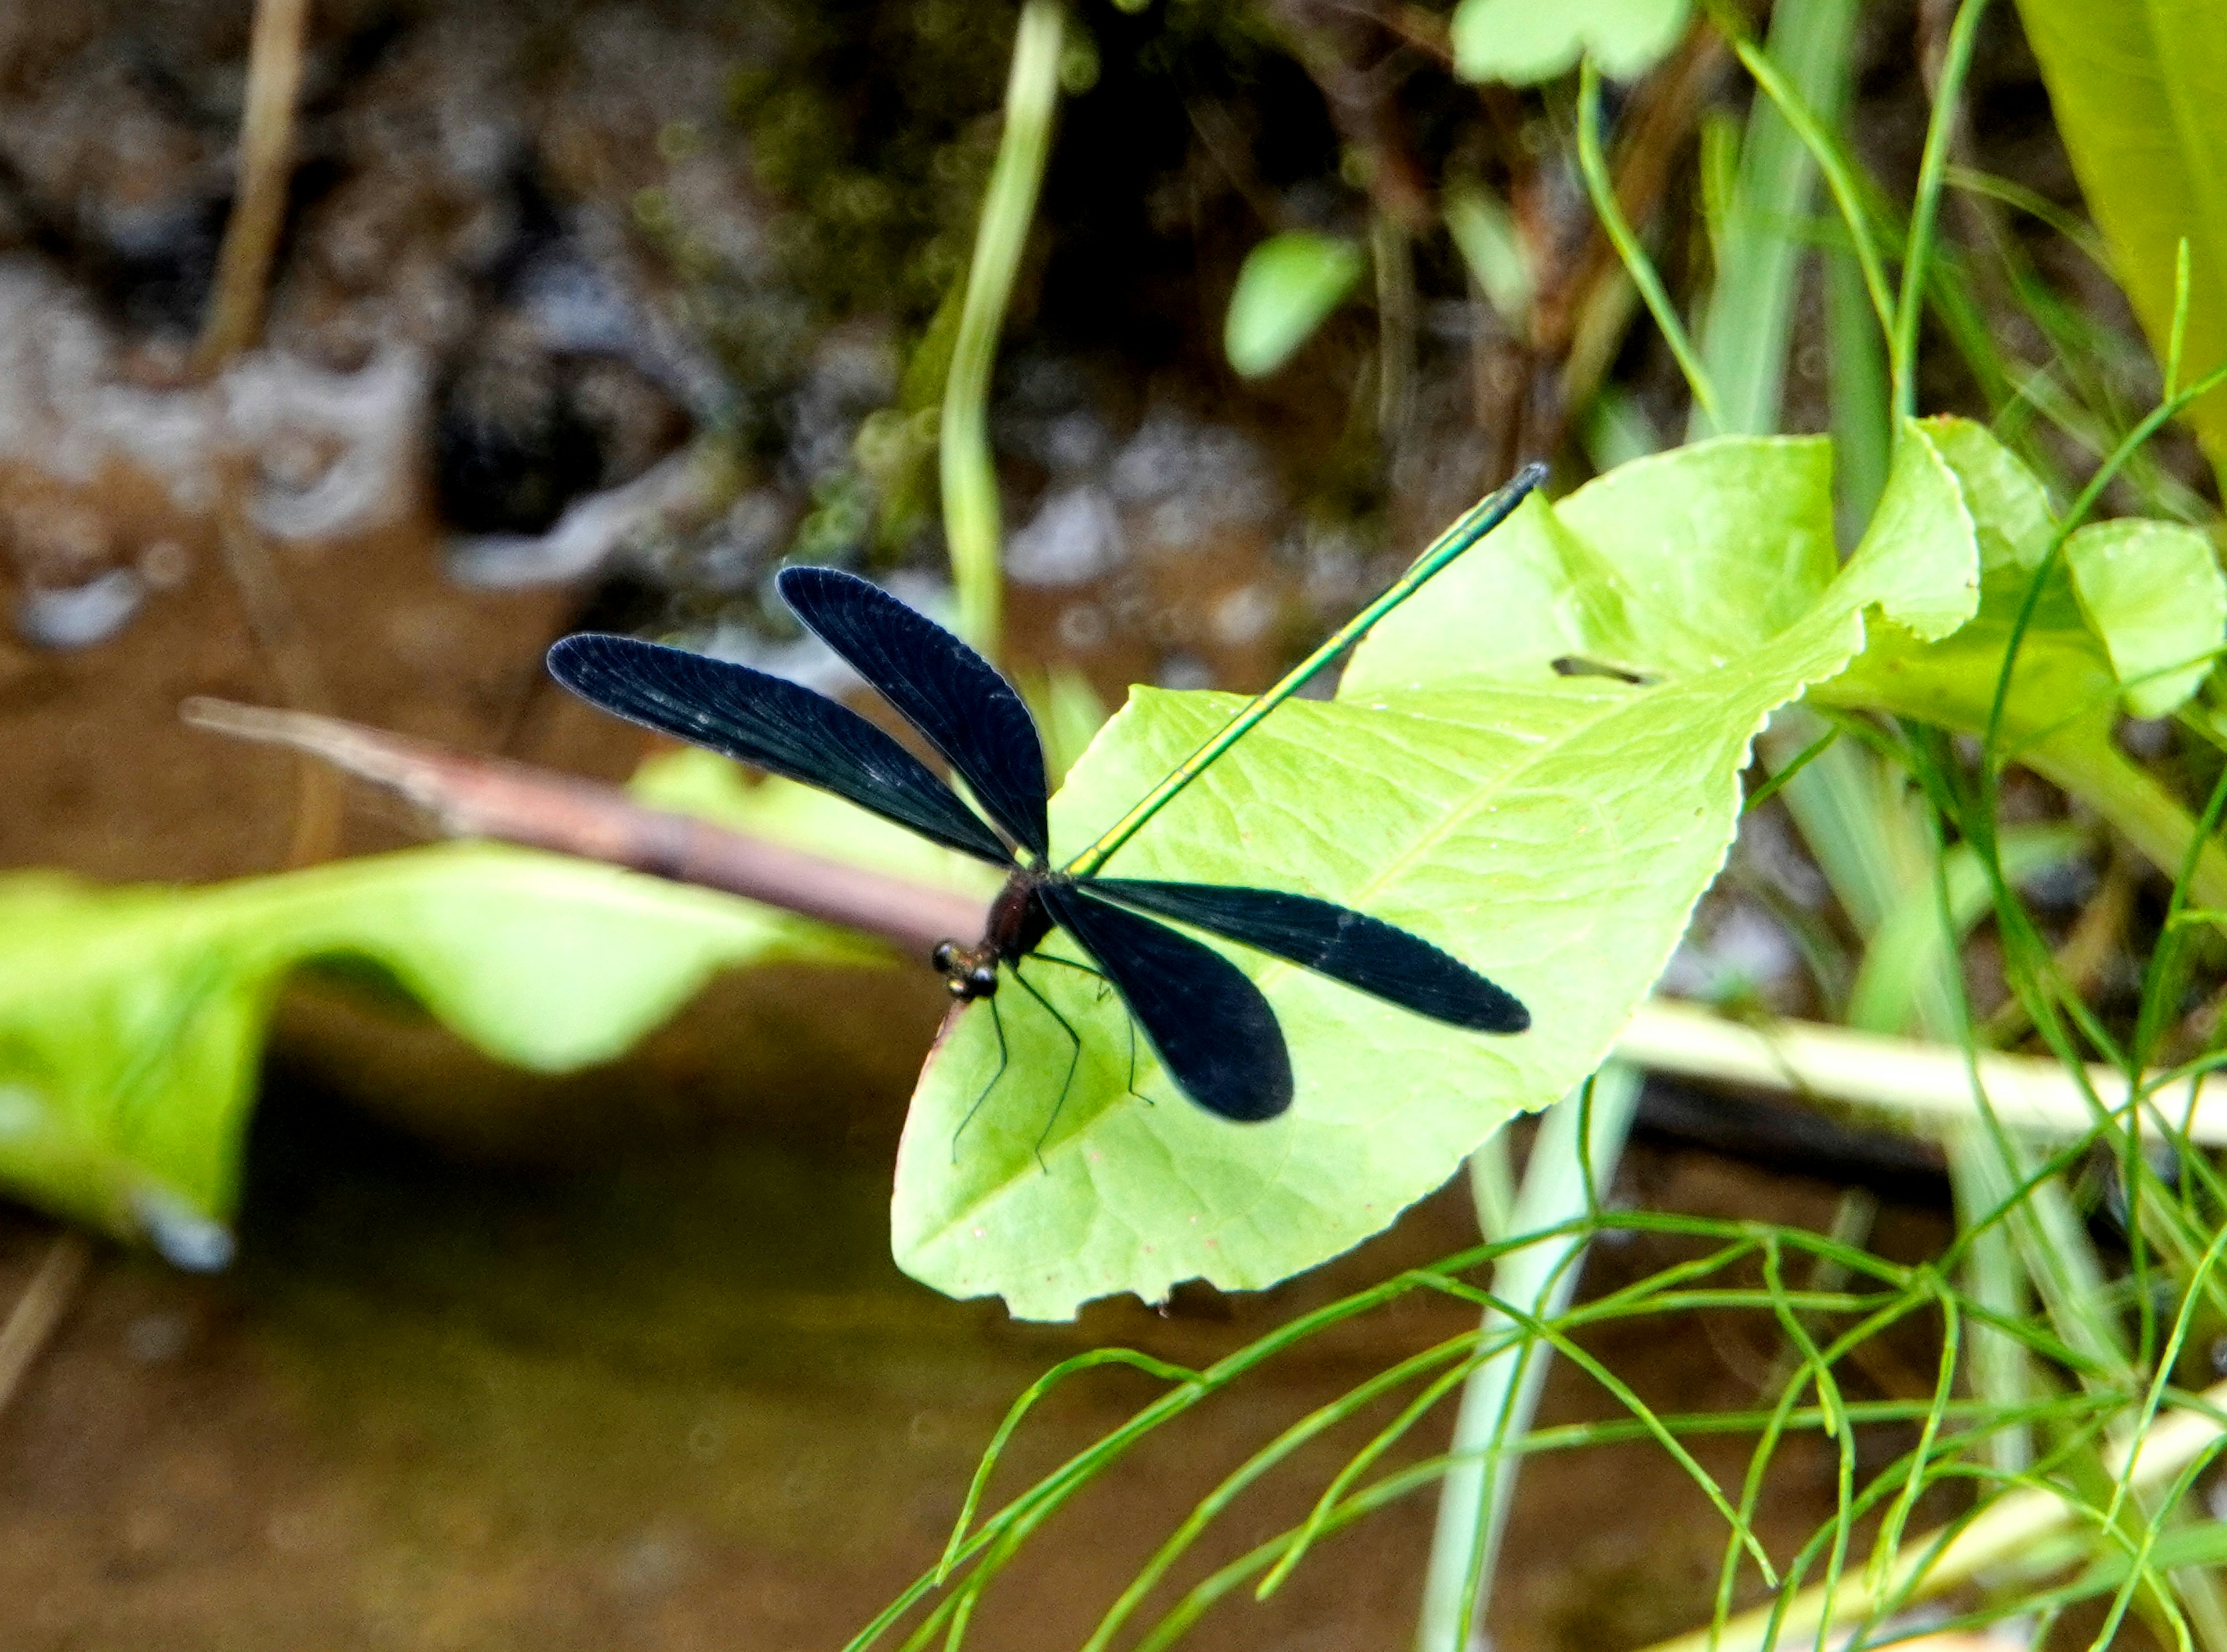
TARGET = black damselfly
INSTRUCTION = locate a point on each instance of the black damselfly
(1213, 1032)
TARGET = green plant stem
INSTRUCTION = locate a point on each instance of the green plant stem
(1575, 1152)
(1637, 264)
(1750, 312)
(2014, 1525)
(1480, 520)
(1394, 262)
(970, 479)
(1830, 157)
(2131, 799)
(1931, 167)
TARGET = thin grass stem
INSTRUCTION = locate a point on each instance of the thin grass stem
(1637, 264)
(1933, 163)
(970, 478)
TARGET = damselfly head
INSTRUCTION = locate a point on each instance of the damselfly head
(968, 972)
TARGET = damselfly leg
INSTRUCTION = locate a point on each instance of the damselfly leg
(1073, 1057)
(1104, 987)
(998, 1024)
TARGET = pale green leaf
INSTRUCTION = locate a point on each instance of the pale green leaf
(2009, 505)
(2132, 612)
(2135, 90)
(2152, 591)
(1553, 830)
(1286, 289)
(132, 1021)
(1522, 42)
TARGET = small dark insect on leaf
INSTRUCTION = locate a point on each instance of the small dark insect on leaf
(1575, 664)
(1213, 1032)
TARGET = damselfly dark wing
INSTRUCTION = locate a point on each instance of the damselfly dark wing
(1380, 959)
(772, 724)
(943, 687)
(1214, 1032)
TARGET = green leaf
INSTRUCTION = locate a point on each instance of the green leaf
(1287, 288)
(2135, 90)
(1522, 42)
(2070, 680)
(2132, 612)
(132, 1021)
(1551, 829)
(2152, 591)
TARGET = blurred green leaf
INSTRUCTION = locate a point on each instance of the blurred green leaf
(132, 1021)
(1553, 830)
(1287, 288)
(1910, 946)
(2136, 92)
(1485, 234)
(1522, 42)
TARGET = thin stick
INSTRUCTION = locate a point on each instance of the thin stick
(482, 797)
(258, 207)
(1481, 518)
(970, 481)
(1902, 1075)
(31, 1321)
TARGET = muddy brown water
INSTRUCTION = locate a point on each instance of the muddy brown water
(668, 1392)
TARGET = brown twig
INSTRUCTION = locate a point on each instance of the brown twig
(467, 796)
(1333, 39)
(30, 1323)
(258, 205)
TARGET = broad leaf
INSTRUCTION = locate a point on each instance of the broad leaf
(1522, 42)
(2135, 90)
(1551, 829)
(1287, 288)
(132, 1021)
